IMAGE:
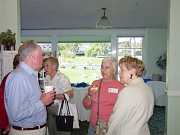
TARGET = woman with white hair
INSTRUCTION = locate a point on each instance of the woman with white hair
(61, 85)
(109, 89)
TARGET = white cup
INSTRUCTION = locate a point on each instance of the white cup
(48, 88)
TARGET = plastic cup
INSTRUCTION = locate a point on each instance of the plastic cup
(48, 88)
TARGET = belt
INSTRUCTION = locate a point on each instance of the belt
(34, 128)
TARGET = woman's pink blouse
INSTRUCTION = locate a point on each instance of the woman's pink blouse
(108, 95)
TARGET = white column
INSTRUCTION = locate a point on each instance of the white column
(173, 70)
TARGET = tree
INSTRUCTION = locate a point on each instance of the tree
(68, 46)
(98, 49)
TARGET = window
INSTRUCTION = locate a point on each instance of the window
(131, 46)
(81, 62)
(80, 52)
(45, 46)
(47, 49)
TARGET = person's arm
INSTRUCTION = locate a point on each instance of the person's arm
(91, 90)
(121, 112)
(7, 130)
(4, 81)
(60, 96)
(87, 100)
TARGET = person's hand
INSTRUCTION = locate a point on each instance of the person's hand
(7, 129)
(47, 98)
(92, 89)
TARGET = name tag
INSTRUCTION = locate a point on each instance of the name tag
(113, 90)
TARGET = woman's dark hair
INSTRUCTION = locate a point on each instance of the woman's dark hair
(16, 61)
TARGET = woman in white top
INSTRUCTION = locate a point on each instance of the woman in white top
(61, 85)
(135, 102)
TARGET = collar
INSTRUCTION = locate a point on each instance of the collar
(28, 69)
(136, 80)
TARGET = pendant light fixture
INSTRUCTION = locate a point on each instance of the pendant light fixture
(104, 22)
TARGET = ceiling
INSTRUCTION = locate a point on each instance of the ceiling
(80, 14)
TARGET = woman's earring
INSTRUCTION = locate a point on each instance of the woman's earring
(131, 76)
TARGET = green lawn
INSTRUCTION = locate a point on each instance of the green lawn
(75, 75)
(85, 60)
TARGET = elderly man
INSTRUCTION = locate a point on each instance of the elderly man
(25, 104)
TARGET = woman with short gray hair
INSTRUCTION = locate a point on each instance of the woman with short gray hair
(109, 89)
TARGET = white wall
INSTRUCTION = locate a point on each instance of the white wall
(10, 17)
(156, 45)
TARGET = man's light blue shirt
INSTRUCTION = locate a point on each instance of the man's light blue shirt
(22, 98)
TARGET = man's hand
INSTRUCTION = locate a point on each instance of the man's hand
(47, 98)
